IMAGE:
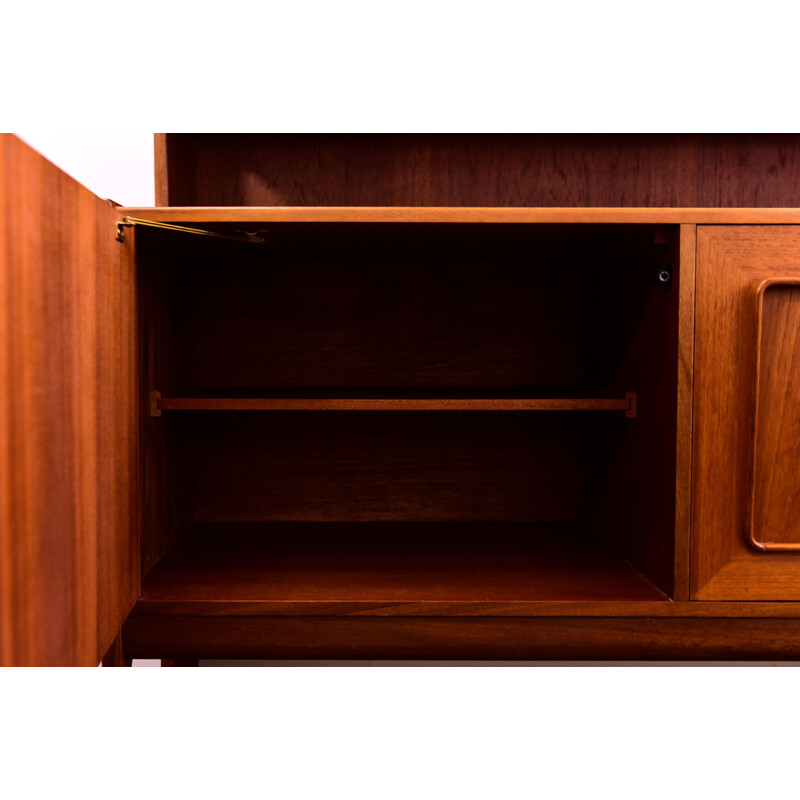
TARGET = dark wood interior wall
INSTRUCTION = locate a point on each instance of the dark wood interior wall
(385, 323)
(689, 170)
(162, 286)
(631, 472)
(372, 466)
(433, 307)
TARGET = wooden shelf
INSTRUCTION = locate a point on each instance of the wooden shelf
(240, 216)
(626, 404)
(250, 568)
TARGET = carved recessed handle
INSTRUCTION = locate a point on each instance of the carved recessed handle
(775, 474)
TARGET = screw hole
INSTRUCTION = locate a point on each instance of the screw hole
(664, 275)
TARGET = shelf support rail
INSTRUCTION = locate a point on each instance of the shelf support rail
(239, 236)
(159, 404)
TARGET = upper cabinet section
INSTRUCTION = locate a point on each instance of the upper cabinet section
(612, 170)
(745, 531)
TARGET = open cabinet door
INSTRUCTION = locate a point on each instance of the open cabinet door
(69, 486)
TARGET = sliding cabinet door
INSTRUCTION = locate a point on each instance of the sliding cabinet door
(746, 470)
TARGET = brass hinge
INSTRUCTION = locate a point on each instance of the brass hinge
(240, 236)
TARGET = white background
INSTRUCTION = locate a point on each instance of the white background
(115, 166)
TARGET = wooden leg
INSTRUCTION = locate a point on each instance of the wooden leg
(115, 657)
(178, 662)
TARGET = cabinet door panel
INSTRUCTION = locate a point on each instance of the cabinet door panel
(746, 473)
(69, 564)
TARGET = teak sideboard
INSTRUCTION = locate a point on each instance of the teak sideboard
(485, 397)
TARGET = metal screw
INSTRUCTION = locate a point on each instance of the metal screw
(664, 275)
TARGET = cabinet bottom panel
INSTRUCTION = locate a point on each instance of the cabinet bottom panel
(214, 569)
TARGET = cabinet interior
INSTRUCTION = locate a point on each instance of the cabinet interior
(435, 412)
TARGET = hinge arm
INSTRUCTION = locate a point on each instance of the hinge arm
(239, 236)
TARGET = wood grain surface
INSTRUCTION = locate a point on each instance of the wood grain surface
(411, 535)
(318, 466)
(160, 340)
(462, 637)
(220, 607)
(732, 263)
(161, 162)
(432, 318)
(115, 656)
(626, 404)
(686, 252)
(629, 484)
(238, 216)
(719, 170)
(69, 547)
(391, 563)
(383, 321)
(487, 310)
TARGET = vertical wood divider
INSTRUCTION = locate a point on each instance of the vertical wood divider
(683, 461)
(161, 168)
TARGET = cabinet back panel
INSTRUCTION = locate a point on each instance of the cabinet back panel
(607, 170)
(383, 322)
(373, 466)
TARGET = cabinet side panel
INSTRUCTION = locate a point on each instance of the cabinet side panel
(632, 483)
(160, 162)
(114, 380)
(161, 289)
(683, 479)
(719, 472)
(68, 490)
